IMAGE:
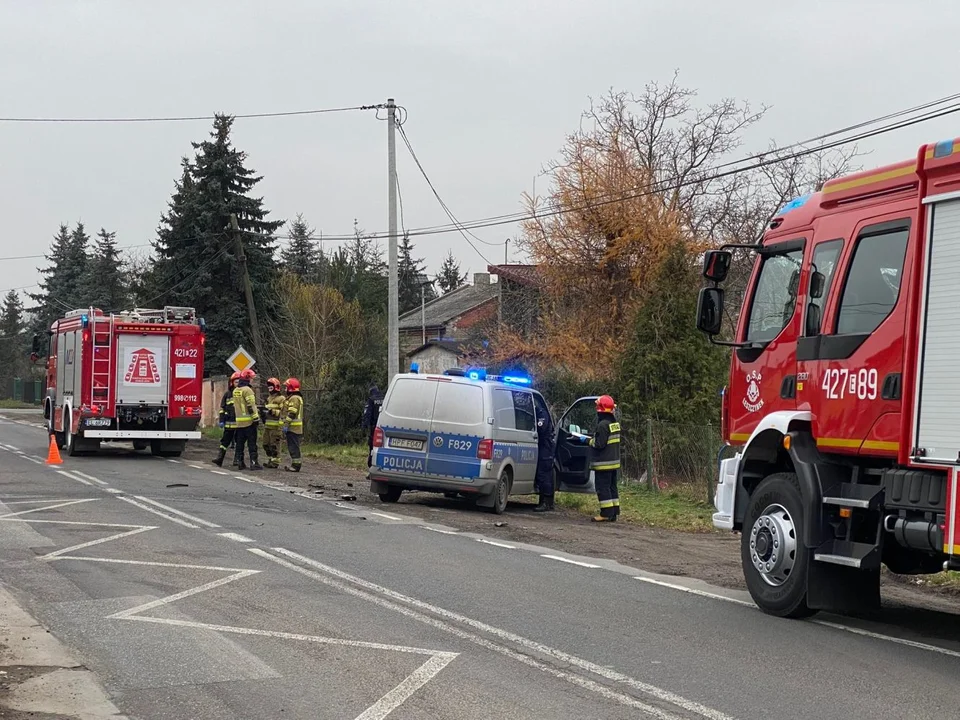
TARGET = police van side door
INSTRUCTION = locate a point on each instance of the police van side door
(572, 461)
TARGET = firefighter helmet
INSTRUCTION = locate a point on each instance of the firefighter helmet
(605, 404)
(235, 377)
(292, 385)
(247, 374)
(273, 384)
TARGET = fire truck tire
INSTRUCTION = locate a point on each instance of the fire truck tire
(771, 548)
(140, 445)
(167, 449)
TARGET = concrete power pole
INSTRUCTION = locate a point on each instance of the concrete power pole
(393, 304)
(247, 289)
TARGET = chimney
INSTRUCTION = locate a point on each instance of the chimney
(481, 278)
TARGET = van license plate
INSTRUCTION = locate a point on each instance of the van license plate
(406, 444)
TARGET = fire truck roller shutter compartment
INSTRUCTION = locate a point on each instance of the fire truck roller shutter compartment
(938, 401)
(143, 369)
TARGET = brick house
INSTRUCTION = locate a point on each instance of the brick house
(455, 316)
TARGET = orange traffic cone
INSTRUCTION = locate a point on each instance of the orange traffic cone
(53, 454)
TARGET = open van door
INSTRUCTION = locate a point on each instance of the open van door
(572, 460)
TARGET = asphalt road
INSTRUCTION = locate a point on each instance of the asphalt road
(202, 594)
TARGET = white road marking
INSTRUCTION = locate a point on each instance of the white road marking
(235, 536)
(182, 514)
(378, 594)
(438, 530)
(174, 461)
(171, 518)
(241, 477)
(33, 502)
(34, 460)
(572, 562)
(125, 614)
(693, 591)
(81, 546)
(196, 467)
(11, 447)
(88, 477)
(420, 677)
(47, 507)
(384, 515)
(887, 638)
(825, 623)
(74, 477)
(149, 563)
(219, 472)
(497, 544)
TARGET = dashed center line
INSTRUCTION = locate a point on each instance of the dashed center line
(438, 530)
(235, 536)
(384, 515)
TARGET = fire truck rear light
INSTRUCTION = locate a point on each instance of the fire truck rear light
(485, 449)
(378, 437)
(846, 512)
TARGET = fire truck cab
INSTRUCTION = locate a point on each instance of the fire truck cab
(843, 402)
(125, 377)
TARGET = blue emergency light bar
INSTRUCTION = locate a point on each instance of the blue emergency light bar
(516, 380)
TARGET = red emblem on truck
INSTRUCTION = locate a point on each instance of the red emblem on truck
(143, 368)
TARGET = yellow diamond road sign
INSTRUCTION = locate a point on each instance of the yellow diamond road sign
(241, 360)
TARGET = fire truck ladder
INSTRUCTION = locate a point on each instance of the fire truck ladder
(102, 369)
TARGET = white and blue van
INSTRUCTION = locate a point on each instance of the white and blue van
(467, 434)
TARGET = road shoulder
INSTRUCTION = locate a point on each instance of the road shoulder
(40, 676)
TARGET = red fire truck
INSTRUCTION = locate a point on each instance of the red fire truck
(843, 402)
(131, 377)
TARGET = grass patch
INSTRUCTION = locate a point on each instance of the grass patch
(678, 507)
(946, 579)
(16, 405)
(348, 456)
(212, 433)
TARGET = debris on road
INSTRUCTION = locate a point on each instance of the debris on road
(177, 485)
(348, 497)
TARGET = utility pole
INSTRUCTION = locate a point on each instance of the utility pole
(393, 287)
(247, 289)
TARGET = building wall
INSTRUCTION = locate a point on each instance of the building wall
(478, 315)
(213, 390)
(435, 360)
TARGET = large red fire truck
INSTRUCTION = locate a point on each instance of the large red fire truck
(843, 402)
(131, 377)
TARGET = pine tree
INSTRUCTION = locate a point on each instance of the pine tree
(60, 287)
(410, 274)
(105, 282)
(302, 257)
(449, 278)
(359, 272)
(12, 341)
(196, 257)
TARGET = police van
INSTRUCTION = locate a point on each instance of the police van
(466, 434)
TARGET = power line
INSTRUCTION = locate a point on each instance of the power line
(188, 118)
(406, 141)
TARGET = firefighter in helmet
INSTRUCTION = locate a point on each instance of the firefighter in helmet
(605, 460)
(227, 420)
(293, 422)
(248, 420)
(273, 422)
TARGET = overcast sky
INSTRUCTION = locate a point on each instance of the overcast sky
(491, 88)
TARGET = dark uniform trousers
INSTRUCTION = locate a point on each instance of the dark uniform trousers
(607, 493)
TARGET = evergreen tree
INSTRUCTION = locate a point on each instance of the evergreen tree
(410, 272)
(13, 347)
(61, 285)
(359, 272)
(197, 263)
(302, 257)
(105, 282)
(449, 278)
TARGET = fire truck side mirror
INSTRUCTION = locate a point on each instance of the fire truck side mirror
(716, 265)
(817, 284)
(35, 348)
(710, 310)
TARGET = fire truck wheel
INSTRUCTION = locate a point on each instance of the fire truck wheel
(771, 550)
(69, 439)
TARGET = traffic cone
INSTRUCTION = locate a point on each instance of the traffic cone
(53, 454)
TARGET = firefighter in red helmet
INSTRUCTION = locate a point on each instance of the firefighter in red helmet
(293, 423)
(248, 420)
(605, 460)
(273, 422)
(227, 420)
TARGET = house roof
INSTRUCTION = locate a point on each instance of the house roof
(520, 274)
(450, 306)
(454, 346)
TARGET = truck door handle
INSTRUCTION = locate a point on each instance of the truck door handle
(788, 388)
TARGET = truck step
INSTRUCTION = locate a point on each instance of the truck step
(853, 495)
(863, 556)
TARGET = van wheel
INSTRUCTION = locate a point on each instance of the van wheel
(771, 548)
(501, 494)
(392, 494)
